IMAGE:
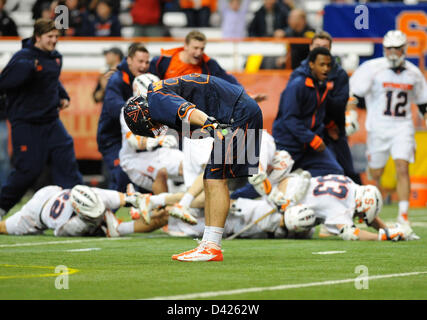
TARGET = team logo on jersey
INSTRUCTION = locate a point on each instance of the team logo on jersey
(58, 61)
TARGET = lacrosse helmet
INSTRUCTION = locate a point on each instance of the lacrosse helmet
(137, 117)
(369, 202)
(395, 39)
(299, 218)
(86, 202)
(141, 83)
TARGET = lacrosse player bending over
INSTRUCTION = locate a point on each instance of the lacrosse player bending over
(222, 111)
(81, 211)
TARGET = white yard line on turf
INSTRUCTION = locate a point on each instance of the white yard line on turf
(30, 244)
(210, 294)
(329, 252)
(83, 250)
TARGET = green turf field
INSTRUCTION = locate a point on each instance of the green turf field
(140, 267)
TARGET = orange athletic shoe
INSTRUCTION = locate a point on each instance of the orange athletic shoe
(204, 252)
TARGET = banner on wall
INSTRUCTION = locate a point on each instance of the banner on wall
(373, 20)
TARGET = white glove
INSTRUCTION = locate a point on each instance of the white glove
(260, 183)
(168, 141)
(408, 233)
(282, 165)
(151, 143)
(298, 185)
(395, 233)
(351, 123)
(278, 198)
(134, 141)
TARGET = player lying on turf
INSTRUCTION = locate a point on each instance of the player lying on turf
(335, 200)
(81, 211)
(299, 203)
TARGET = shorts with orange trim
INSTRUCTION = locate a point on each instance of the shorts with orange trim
(237, 154)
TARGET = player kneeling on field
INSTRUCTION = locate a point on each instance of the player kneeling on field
(81, 211)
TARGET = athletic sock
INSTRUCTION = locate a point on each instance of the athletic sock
(186, 200)
(125, 228)
(213, 235)
(403, 208)
(158, 200)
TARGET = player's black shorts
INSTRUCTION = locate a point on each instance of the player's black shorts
(237, 154)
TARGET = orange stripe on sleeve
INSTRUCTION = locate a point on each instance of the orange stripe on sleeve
(316, 142)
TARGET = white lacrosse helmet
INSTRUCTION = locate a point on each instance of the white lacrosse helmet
(369, 202)
(282, 165)
(395, 39)
(141, 83)
(299, 218)
(86, 202)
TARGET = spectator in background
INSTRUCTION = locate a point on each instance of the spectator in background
(76, 11)
(297, 28)
(40, 6)
(118, 91)
(7, 25)
(113, 57)
(147, 16)
(102, 23)
(233, 16)
(91, 6)
(198, 12)
(35, 97)
(47, 10)
(268, 20)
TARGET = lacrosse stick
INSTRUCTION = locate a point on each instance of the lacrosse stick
(250, 225)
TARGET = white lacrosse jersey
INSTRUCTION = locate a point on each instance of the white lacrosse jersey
(126, 151)
(248, 211)
(56, 204)
(388, 95)
(332, 198)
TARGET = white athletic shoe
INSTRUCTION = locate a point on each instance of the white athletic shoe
(182, 213)
(112, 224)
(145, 207)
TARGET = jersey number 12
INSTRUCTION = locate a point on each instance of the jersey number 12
(402, 97)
